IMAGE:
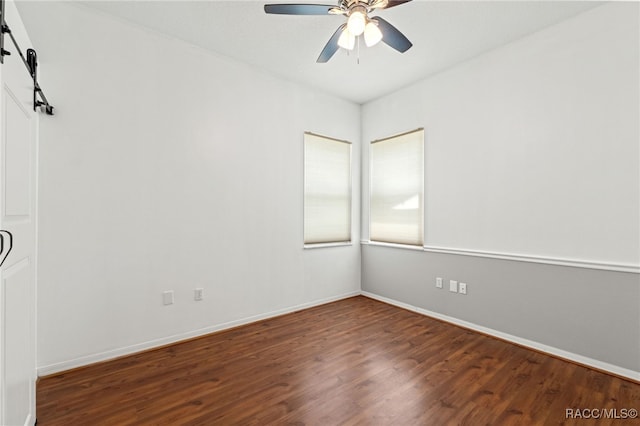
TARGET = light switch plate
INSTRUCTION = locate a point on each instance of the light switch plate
(453, 286)
(167, 297)
(198, 294)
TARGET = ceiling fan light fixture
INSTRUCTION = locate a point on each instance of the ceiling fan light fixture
(347, 40)
(372, 34)
(357, 21)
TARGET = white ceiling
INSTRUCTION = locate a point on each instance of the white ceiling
(443, 33)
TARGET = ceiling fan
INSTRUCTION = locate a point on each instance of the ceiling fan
(358, 23)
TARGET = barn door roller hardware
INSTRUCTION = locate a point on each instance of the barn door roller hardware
(30, 61)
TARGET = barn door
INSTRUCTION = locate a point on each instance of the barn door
(18, 172)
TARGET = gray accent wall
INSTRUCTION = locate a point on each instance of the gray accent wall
(531, 151)
(593, 313)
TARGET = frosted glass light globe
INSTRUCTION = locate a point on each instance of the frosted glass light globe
(372, 34)
(347, 40)
(356, 22)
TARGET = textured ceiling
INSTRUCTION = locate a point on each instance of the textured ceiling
(443, 34)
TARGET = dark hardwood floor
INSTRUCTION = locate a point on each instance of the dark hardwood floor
(352, 362)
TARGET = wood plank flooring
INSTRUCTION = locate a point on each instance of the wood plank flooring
(352, 362)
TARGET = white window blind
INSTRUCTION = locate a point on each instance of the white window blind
(327, 190)
(397, 189)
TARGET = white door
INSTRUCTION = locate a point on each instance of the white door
(18, 168)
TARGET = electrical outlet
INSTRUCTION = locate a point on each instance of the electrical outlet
(198, 294)
(439, 282)
(453, 286)
(463, 288)
(167, 297)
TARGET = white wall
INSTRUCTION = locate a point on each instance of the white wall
(531, 149)
(170, 168)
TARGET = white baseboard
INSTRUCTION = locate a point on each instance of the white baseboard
(128, 350)
(586, 361)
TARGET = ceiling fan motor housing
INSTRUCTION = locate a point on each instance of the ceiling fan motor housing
(364, 5)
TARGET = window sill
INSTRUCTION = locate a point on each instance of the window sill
(325, 245)
(400, 246)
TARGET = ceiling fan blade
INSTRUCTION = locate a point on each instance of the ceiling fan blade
(332, 45)
(298, 9)
(393, 3)
(392, 36)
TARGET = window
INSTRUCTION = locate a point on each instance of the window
(397, 189)
(327, 190)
